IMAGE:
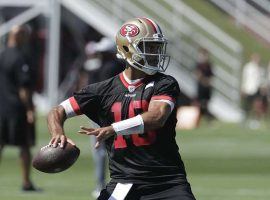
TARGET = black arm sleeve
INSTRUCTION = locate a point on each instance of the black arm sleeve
(166, 88)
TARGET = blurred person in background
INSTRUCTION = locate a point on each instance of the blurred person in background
(204, 74)
(261, 99)
(17, 110)
(111, 66)
(91, 66)
(100, 65)
(250, 90)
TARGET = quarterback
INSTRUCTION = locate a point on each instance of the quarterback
(136, 111)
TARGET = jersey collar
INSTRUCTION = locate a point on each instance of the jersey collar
(127, 83)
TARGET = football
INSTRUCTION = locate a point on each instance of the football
(54, 160)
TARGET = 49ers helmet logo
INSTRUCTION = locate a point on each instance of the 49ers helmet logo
(130, 30)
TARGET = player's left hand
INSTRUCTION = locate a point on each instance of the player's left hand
(100, 133)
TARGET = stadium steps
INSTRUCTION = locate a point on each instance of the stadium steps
(253, 15)
(227, 23)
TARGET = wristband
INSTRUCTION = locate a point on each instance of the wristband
(134, 125)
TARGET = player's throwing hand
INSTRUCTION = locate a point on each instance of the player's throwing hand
(100, 133)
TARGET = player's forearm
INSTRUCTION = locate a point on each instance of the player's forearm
(55, 120)
(153, 120)
(139, 124)
(156, 116)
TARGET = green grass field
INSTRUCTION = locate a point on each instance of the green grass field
(223, 161)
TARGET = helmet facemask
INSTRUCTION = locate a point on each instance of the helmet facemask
(150, 56)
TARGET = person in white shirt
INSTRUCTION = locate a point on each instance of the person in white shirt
(251, 82)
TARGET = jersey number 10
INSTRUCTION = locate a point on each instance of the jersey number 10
(138, 140)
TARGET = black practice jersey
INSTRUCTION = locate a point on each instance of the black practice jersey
(14, 74)
(137, 158)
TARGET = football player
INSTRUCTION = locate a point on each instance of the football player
(136, 111)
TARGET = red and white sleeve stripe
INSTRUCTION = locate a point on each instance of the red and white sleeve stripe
(167, 99)
(71, 107)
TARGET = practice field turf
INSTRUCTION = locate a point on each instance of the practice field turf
(223, 161)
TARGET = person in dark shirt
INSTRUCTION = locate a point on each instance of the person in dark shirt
(204, 76)
(16, 110)
(136, 112)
